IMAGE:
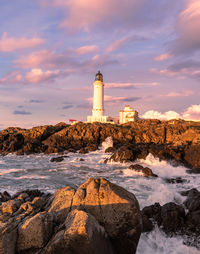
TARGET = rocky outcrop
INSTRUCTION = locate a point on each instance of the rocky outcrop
(177, 141)
(176, 219)
(98, 217)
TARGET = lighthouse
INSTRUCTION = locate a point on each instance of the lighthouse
(98, 101)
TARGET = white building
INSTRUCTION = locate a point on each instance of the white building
(98, 101)
(127, 115)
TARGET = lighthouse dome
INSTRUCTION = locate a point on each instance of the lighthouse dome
(99, 76)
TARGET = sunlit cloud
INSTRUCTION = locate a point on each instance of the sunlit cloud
(36, 76)
(87, 49)
(9, 44)
(162, 57)
(191, 113)
(11, 78)
(152, 114)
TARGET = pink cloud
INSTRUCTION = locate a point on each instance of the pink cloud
(162, 57)
(47, 59)
(11, 78)
(188, 29)
(118, 44)
(125, 14)
(87, 49)
(9, 44)
(192, 113)
(37, 76)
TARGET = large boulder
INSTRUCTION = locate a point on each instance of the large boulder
(34, 232)
(116, 209)
(60, 203)
(82, 234)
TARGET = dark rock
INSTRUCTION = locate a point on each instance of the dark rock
(140, 169)
(136, 167)
(92, 147)
(4, 196)
(147, 224)
(81, 159)
(192, 202)
(83, 151)
(154, 212)
(172, 217)
(110, 150)
(57, 159)
(175, 180)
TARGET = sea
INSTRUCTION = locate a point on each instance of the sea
(38, 172)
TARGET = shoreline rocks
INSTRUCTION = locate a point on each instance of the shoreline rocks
(98, 217)
(176, 141)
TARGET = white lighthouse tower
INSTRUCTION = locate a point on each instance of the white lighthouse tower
(98, 101)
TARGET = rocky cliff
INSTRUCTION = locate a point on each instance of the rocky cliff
(179, 140)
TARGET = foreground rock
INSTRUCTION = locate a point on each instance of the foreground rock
(173, 219)
(177, 141)
(98, 217)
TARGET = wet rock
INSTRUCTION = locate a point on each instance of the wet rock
(82, 234)
(147, 224)
(116, 209)
(143, 170)
(57, 159)
(175, 180)
(154, 212)
(192, 201)
(110, 150)
(92, 147)
(83, 151)
(4, 196)
(172, 217)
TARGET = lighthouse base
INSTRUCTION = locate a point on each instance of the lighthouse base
(100, 119)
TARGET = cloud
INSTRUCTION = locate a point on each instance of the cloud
(35, 101)
(44, 59)
(87, 49)
(191, 113)
(118, 44)
(9, 44)
(86, 15)
(51, 60)
(21, 112)
(188, 29)
(162, 57)
(67, 107)
(179, 94)
(188, 68)
(11, 77)
(36, 76)
(152, 114)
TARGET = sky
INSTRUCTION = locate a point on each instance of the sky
(50, 51)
